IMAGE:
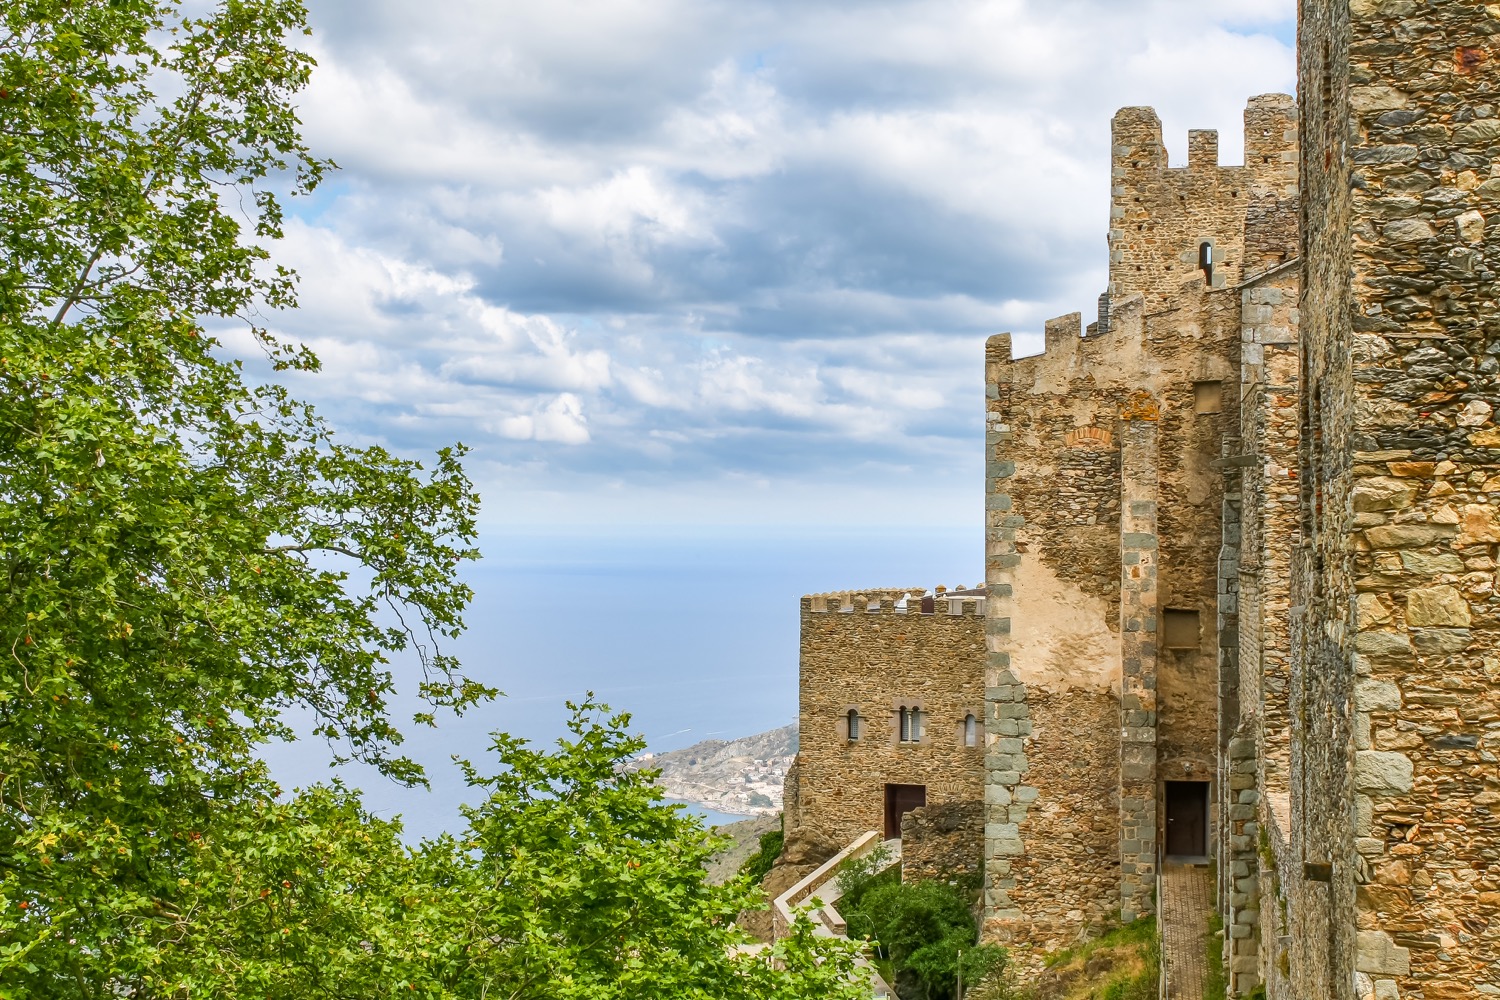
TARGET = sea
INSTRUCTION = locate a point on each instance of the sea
(692, 631)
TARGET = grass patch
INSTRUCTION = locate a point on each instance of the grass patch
(1122, 963)
(1137, 932)
(1215, 985)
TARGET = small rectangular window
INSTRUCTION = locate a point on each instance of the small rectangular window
(1180, 629)
(1208, 397)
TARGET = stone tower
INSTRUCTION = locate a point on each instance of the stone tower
(1105, 523)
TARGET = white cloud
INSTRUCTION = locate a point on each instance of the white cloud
(560, 420)
(674, 244)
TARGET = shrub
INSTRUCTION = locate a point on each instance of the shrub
(927, 931)
(759, 864)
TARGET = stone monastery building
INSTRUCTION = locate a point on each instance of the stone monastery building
(1240, 549)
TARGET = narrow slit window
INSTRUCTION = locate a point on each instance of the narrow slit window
(971, 730)
(853, 721)
(1206, 261)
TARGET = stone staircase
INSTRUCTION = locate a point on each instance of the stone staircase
(821, 889)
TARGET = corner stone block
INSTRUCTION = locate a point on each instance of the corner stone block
(1385, 648)
(1381, 772)
(1377, 954)
(1376, 696)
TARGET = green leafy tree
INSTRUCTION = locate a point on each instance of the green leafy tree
(575, 879)
(183, 555)
(186, 555)
(758, 865)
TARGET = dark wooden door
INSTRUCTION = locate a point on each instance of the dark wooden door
(1187, 818)
(900, 800)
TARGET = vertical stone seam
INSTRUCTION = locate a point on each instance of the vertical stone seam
(1007, 715)
(1138, 637)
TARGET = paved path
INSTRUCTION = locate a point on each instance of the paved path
(1187, 904)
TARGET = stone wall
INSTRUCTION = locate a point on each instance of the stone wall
(1105, 511)
(875, 652)
(1401, 329)
(1254, 682)
(943, 842)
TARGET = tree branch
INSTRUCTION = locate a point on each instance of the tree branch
(351, 553)
(78, 287)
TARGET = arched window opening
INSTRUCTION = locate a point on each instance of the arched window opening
(971, 730)
(853, 719)
(909, 724)
(1206, 261)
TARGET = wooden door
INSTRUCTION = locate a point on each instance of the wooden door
(1187, 818)
(900, 800)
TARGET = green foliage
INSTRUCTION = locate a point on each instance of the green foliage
(925, 929)
(759, 864)
(1143, 983)
(858, 875)
(179, 549)
(1216, 986)
(573, 879)
(1138, 933)
(576, 880)
(185, 556)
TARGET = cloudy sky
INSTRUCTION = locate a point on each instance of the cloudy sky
(727, 261)
(705, 286)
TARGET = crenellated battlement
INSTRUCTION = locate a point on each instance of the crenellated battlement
(1064, 335)
(959, 601)
(1170, 224)
(1202, 226)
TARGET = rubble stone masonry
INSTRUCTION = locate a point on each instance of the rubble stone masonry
(1396, 709)
(1105, 504)
(1241, 530)
(875, 652)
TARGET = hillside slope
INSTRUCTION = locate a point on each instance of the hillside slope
(742, 776)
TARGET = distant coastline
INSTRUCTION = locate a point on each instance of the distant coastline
(726, 781)
(710, 817)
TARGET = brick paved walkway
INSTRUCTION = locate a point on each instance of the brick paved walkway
(1187, 903)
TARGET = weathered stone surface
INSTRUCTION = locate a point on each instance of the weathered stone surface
(1384, 493)
(1338, 545)
(1377, 954)
(1476, 413)
(1123, 492)
(943, 842)
(1470, 227)
(1440, 607)
(1479, 524)
(1384, 648)
(1378, 772)
(1376, 696)
(1425, 564)
(861, 653)
(1408, 536)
